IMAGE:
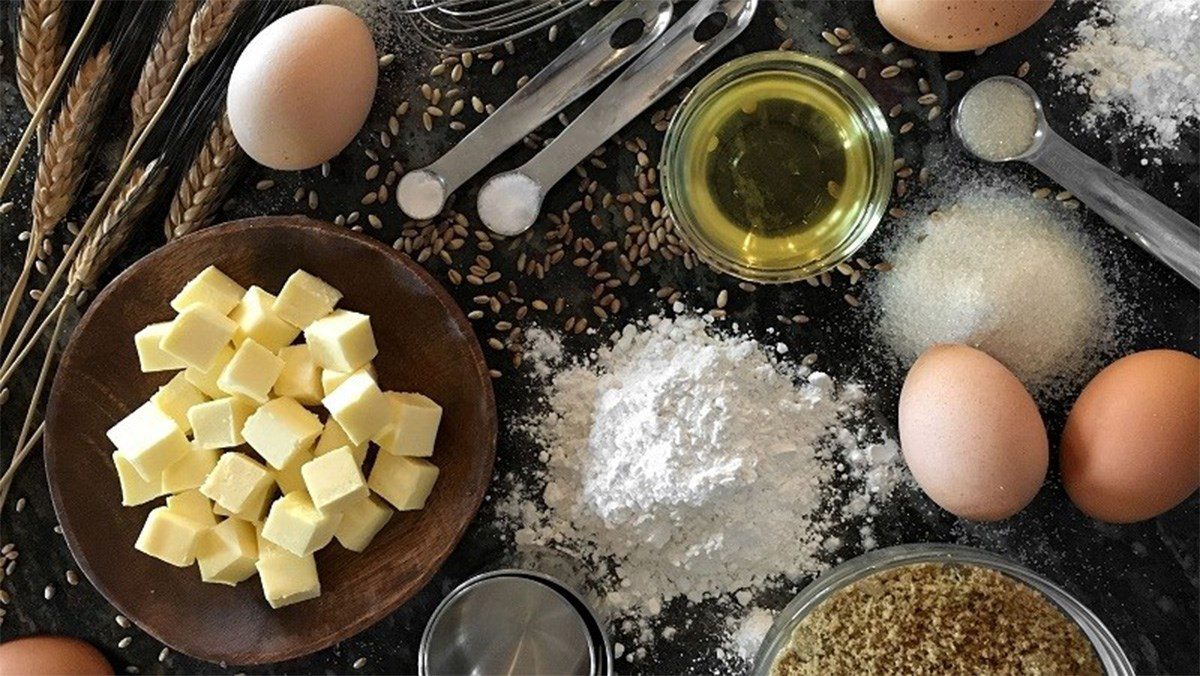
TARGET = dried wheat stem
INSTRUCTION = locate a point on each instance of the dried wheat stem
(39, 48)
(10, 367)
(162, 65)
(106, 241)
(209, 25)
(204, 186)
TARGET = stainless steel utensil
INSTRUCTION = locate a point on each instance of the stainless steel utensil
(1145, 220)
(514, 622)
(481, 24)
(422, 193)
(707, 27)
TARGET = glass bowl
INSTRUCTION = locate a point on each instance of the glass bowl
(834, 82)
(1107, 649)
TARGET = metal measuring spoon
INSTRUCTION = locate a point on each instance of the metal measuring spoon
(422, 193)
(509, 203)
(1150, 223)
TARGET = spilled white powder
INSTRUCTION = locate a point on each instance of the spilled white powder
(679, 462)
(1003, 272)
(1139, 57)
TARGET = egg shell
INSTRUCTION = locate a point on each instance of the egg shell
(971, 434)
(303, 87)
(1131, 446)
(51, 656)
(958, 25)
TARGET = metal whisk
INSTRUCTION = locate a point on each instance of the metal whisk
(465, 25)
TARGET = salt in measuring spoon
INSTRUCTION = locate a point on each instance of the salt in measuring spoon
(510, 202)
(1150, 223)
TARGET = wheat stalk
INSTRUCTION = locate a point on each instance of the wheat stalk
(39, 48)
(209, 25)
(204, 186)
(162, 65)
(119, 221)
(60, 168)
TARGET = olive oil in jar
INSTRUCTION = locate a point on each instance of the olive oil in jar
(780, 172)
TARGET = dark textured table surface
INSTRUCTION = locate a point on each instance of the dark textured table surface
(1142, 579)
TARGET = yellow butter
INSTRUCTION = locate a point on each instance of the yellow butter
(151, 356)
(359, 407)
(403, 481)
(285, 577)
(334, 437)
(289, 478)
(189, 471)
(169, 537)
(255, 318)
(218, 423)
(176, 397)
(334, 480)
(212, 288)
(150, 440)
(134, 489)
(227, 552)
(304, 299)
(331, 379)
(193, 505)
(198, 335)
(205, 380)
(412, 425)
(341, 341)
(300, 378)
(296, 525)
(252, 372)
(280, 429)
(361, 522)
(239, 485)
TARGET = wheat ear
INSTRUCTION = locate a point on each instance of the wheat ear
(39, 48)
(119, 222)
(162, 65)
(206, 182)
(209, 25)
(60, 168)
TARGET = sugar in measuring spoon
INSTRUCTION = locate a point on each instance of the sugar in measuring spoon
(1001, 119)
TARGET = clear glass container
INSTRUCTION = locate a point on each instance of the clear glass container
(680, 153)
(776, 641)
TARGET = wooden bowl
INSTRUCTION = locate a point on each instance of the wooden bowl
(426, 345)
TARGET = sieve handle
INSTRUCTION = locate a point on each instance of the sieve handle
(1150, 223)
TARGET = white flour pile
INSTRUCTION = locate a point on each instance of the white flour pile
(679, 462)
(1140, 57)
(1001, 271)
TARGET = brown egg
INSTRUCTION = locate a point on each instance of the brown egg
(302, 88)
(1131, 447)
(51, 656)
(958, 25)
(971, 434)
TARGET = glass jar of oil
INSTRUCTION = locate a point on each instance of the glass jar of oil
(777, 166)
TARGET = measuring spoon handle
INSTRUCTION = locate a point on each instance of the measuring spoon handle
(653, 74)
(585, 63)
(1145, 220)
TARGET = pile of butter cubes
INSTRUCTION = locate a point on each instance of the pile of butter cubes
(300, 483)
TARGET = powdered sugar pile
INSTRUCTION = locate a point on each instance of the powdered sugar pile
(1140, 57)
(679, 462)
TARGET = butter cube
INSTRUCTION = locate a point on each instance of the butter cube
(341, 341)
(198, 335)
(252, 372)
(289, 478)
(169, 537)
(359, 407)
(189, 471)
(361, 521)
(239, 485)
(212, 288)
(286, 578)
(304, 299)
(151, 356)
(227, 552)
(403, 481)
(300, 378)
(134, 489)
(255, 318)
(150, 440)
(334, 480)
(295, 524)
(280, 429)
(176, 397)
(334, 437)
(412, 425)
(331, 379)
(193, 505)
(218, 423)
(205, 380)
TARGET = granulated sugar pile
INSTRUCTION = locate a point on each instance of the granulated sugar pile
(1140, 57)
(683, 463)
